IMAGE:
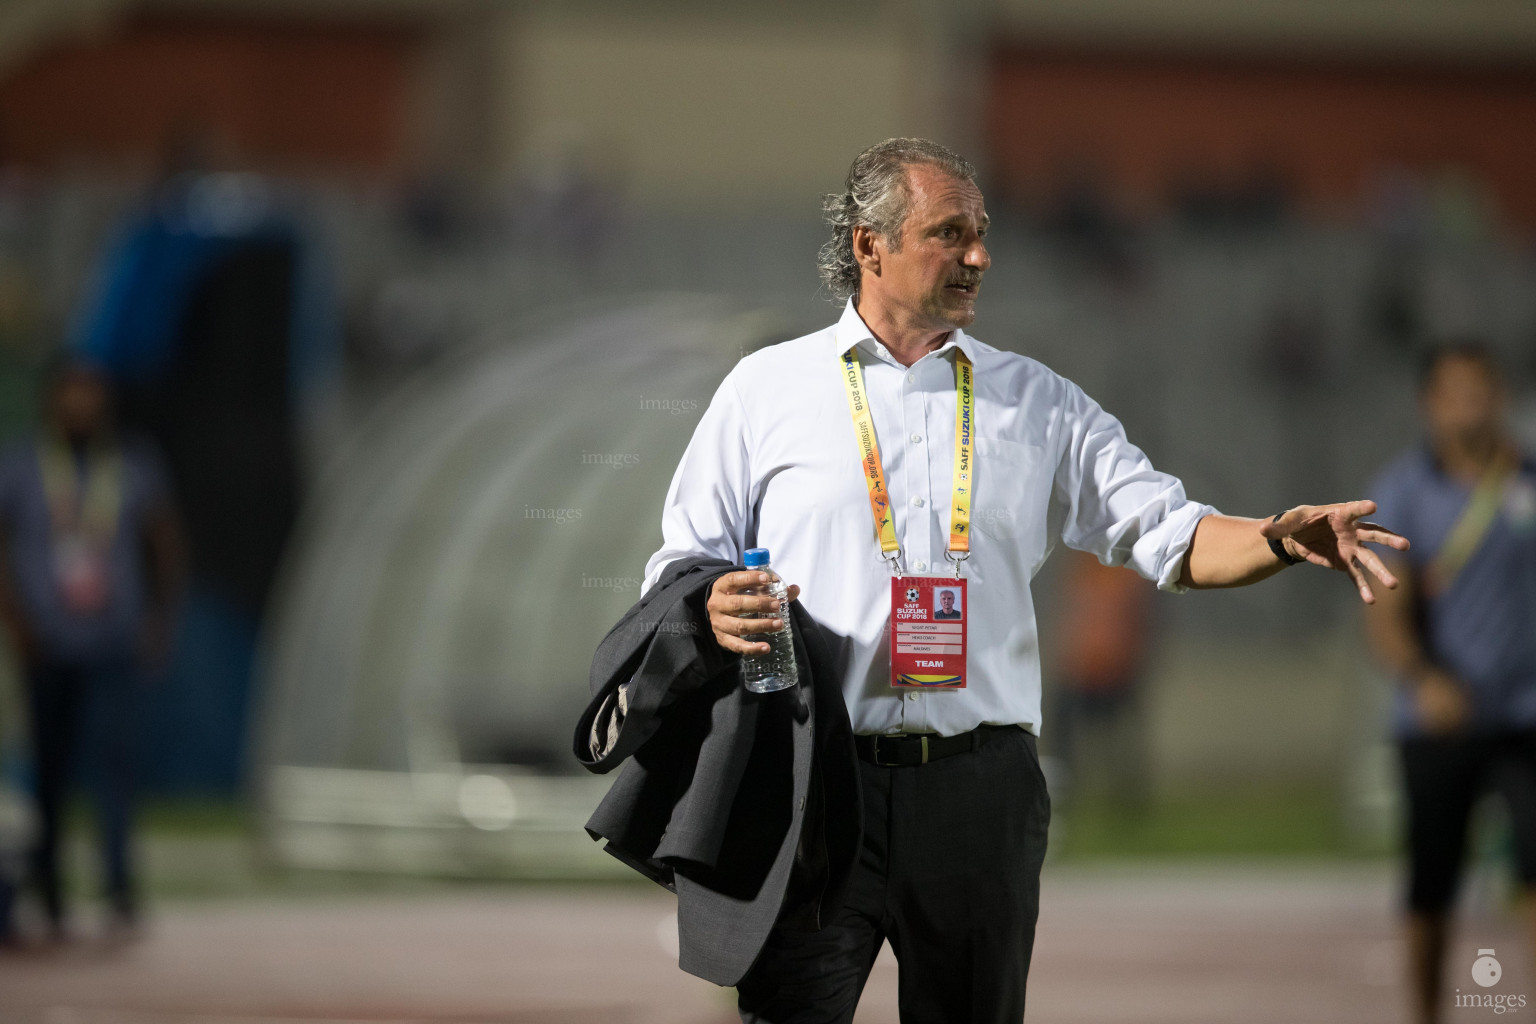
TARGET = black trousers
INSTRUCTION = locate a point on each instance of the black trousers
(94, 709)
(1445, 776)
(949, 873)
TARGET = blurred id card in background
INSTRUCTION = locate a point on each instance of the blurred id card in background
(928, 615)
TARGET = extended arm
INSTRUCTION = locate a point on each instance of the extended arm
(1227, 551)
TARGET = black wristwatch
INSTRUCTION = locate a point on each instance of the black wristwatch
(1279, 548)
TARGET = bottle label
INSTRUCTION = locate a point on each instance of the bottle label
(928, 631)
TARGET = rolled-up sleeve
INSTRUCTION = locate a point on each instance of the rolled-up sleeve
(708, 506)
(1112, 502)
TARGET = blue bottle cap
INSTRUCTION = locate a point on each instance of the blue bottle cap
(755, 557)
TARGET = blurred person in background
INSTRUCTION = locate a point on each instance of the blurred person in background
(17, 818)
(92, 559)
(1460, 636)
(1102, 640)
(210, 310)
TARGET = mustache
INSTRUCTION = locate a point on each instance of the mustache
(968, 280)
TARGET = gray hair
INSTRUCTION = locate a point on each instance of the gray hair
(875, 196)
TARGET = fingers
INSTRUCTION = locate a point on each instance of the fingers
(1294, 519)
(729, 608)
(1377, 567)
(729, 601)
(740, 646)
(733, 633)
(741, 627)
(1356, 509)
(1361, 583)
(726, 595)
(1370, 533)
(736, 582)
(742, 605)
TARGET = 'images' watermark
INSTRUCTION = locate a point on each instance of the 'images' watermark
(1487, 971)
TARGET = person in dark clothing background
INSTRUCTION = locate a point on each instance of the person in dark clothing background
(93, 566)
(211, 311)
(1458, 638)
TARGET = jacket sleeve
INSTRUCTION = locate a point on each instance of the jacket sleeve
(661, 649)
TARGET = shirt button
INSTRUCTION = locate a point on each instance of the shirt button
(919, 566)
(917, 502)
(913, 696)
(911, 378)
(917, 438)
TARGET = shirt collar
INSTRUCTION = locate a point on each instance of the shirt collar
(851, 330)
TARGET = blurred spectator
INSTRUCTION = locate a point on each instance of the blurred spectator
(438, 212)
(208, 311)
(1459, 637)
(569, 207)
(92, 555)
(1398, 211)
(1100, 665)
(1089, 228)
(1258, 199)
(15, 840)
(211, 312)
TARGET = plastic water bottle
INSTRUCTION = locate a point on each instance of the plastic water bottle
(765, 673)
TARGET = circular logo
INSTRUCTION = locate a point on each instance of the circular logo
(911, 593)
(1485, 969)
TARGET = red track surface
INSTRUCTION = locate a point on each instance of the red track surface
(1186, 945)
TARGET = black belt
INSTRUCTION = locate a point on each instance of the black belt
(920, 748)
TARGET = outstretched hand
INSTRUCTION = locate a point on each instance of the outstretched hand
(1334, 537)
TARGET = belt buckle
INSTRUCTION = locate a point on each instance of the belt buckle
(922, 739)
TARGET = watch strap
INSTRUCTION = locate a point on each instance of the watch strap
(1279, 548)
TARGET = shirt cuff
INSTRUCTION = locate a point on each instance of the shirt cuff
(1174, 535)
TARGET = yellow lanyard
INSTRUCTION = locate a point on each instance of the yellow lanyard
(89, 507)
(874, 473)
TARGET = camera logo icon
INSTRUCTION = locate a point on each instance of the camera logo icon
(1486, 970)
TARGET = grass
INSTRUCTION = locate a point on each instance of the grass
(204, 849)
(1296, 822)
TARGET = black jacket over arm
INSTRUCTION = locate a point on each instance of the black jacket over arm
(746, 805)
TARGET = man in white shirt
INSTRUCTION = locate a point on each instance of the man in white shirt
(869, 451)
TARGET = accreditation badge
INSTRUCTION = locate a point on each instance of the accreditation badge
(80, 569)
(928, 616)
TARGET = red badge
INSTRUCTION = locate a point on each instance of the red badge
(928, 616)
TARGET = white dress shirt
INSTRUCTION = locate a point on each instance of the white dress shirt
(774, 463)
